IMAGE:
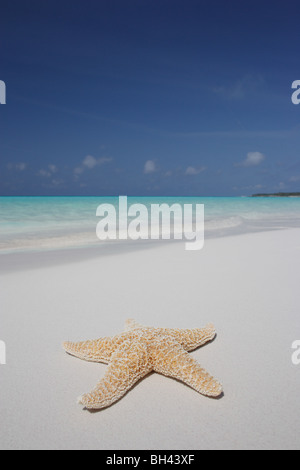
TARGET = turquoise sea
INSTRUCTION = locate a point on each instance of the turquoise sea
(46, 223)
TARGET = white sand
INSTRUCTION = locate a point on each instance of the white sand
(248, 286)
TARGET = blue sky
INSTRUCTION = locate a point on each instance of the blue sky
(149, 97)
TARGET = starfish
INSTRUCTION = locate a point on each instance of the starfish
(140, 350)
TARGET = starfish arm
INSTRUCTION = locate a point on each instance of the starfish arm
(131, 324)
(191, 339)
(173, 361)
(128, 364)
(99, 350)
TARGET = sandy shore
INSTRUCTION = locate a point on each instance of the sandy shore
(247, 285)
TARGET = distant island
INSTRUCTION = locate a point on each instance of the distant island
(277, 195)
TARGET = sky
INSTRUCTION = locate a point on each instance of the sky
(149, 97)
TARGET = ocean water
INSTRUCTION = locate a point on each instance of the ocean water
(51, 223)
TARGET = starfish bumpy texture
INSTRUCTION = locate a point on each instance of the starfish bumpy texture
(138, 351)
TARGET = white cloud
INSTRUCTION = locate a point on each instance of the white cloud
(252, 159)
(191, 170)
(89, 163)
(294, 178)
(51, 169)
(21, 166)
(102, 160)
(241, 88)
(44, 173)
(17, 166)
(78, 170)
(150, 167)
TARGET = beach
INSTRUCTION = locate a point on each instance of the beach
(246, 284)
